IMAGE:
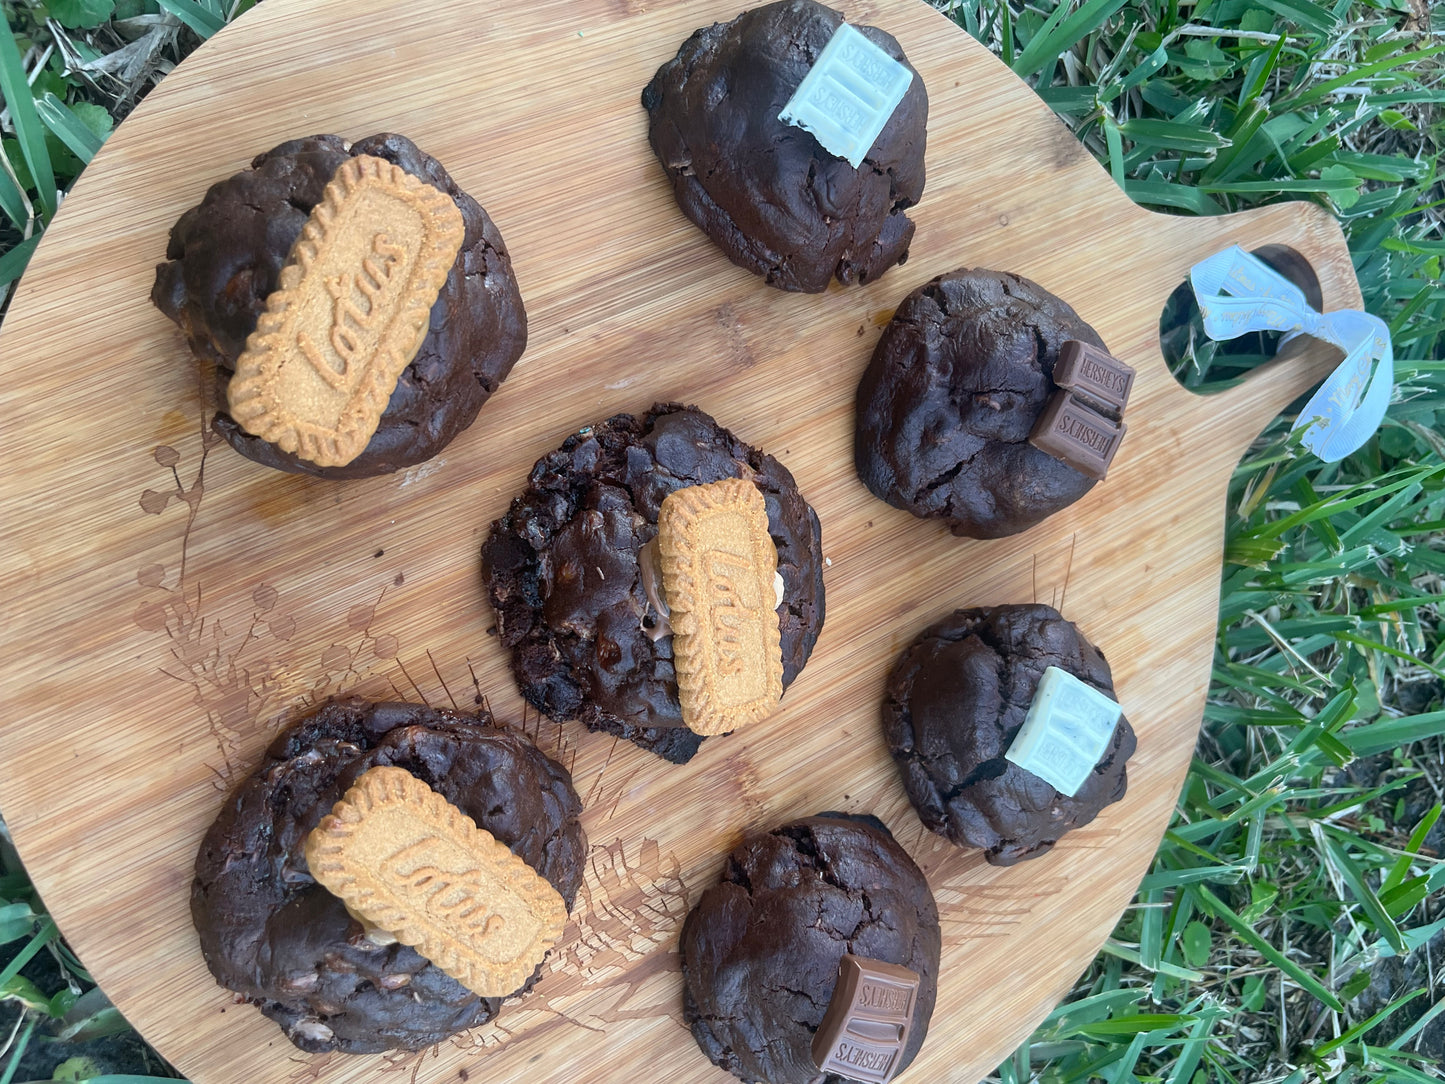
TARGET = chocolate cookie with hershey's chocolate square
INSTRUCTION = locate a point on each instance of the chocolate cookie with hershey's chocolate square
(762, 948)
(956, 385)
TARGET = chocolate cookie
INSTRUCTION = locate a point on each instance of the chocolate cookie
(962, 372)
(760, 951)
(955, 702)
(224, 258)
(768, 193)
(276, 937)
(562, 570)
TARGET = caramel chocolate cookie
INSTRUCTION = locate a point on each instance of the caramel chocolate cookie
(225, 257)
(352, 306)
(768, 193)
(957, 383)
(955, 702)
(564, 572)
(272, 933)
(761, 950)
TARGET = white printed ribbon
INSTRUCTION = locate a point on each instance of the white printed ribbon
(1239, 293)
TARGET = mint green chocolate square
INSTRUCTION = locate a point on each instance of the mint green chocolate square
(848, 95)
(1065, 733)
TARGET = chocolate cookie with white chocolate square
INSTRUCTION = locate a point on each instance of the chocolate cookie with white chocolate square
(957, 715)
(770, 193)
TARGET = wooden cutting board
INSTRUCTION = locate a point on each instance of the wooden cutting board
(169, 605)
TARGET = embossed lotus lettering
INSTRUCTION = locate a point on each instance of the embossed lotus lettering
(350, 311)
(718, 562)
(453, 890)
(404, 859)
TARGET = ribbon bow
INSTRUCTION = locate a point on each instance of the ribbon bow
(1239, 293)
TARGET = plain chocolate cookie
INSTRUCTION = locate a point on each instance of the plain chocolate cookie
(767, 193)
(955, 702)
(225, 256)
(561, 568)
(280, 940)
(962, 372)
(760, 951)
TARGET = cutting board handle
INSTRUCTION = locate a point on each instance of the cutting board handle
(1306, 242)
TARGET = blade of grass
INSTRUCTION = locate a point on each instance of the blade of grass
(1168, 194)
(1125, 1070)
(1171, 135)
(12, 263)
(1419, 1025)
(1364, 72)
(42, 937)
(1398, 1070)
(1251, 118)
(1382, 736)
(1208, 901)
(1058, 35)
(17, 1052)
(1192, 1051)
(1133, 1025)
(1124, 952)
(203, 21)
(1401, 869)
(1194, 875)
(1370, 903)
(15, 89)
(1336, 184)
(1403, 898)
(68, 128)
(1306, 14)
(1115, 144)
(12, 200)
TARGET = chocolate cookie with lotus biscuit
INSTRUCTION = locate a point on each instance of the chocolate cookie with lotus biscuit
(955, 702)
(275, 936)
(946, 406)
(224, 259)
(761, 950)
(768, 193)
(573, 587)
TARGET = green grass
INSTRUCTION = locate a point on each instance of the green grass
(1303, 860)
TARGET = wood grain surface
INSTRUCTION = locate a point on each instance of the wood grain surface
(169, 605)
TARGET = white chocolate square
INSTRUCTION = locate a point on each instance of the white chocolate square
(1068, 727)
(848, 95)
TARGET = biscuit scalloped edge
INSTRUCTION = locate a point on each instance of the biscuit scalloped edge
(385, 785)
(247, 393)
(702, 713)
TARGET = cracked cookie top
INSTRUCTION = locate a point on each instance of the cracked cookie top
(954, 704)
(760, 952)
(767, 193)
(562, 570)
(944, 409)
(275, 936)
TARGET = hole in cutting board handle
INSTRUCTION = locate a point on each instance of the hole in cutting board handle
(1297, 269)
(1205, 366)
